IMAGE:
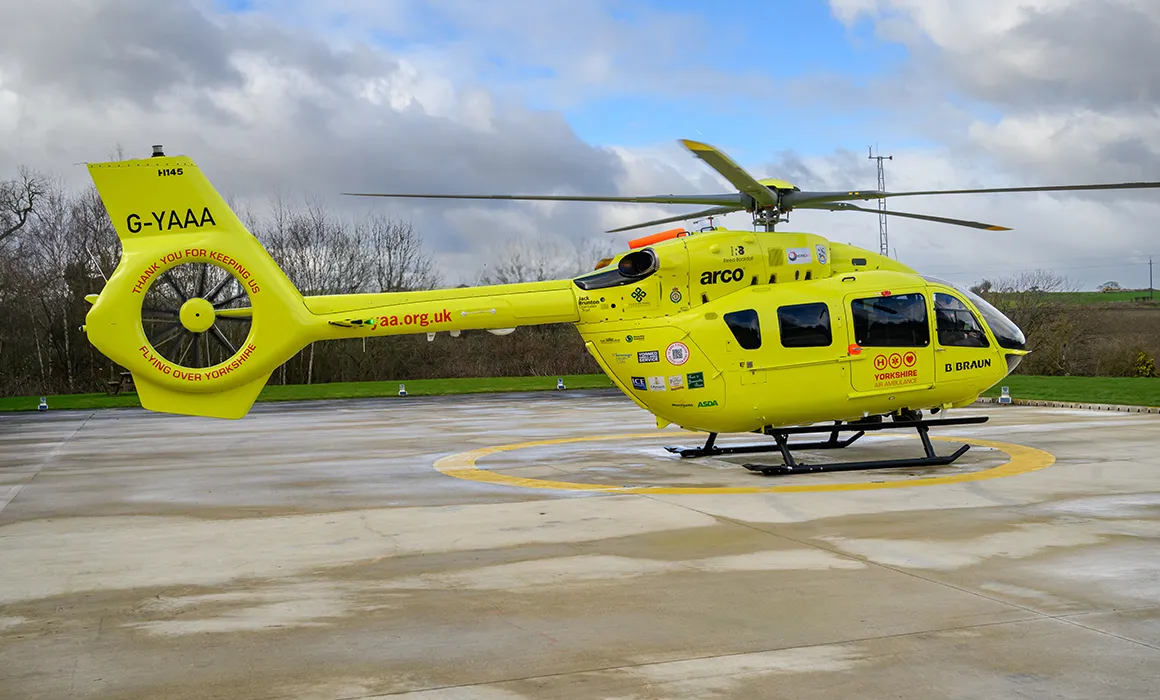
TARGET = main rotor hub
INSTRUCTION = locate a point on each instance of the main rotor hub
(197, 315)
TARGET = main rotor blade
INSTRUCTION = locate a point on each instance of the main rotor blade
(841, 206)
(680, 217)
(732, 172)
(735, 198)
(799, 199)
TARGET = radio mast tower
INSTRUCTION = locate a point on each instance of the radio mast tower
(883, 243)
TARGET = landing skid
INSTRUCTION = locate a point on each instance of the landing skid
(859, 428)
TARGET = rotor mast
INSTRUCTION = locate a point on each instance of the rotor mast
(883, 240)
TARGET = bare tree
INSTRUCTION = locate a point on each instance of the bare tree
(396, 257)
(18, 200)
(320, 253)
(522, 259)
(1053, 326)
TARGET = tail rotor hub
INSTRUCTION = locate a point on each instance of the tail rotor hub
(197, 315)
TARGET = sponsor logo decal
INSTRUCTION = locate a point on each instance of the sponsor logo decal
(638, 383)
(894, 360)
(677, 353)
(715, 276)
(798, 256)
(696, 380)
(656, 383)
(648, 356)
(968, 364)
(707, 404)
(633, 338)
(622, 357)
(677, 382)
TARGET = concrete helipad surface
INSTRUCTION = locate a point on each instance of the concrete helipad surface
(388, 548)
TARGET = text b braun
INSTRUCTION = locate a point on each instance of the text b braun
(969, 364)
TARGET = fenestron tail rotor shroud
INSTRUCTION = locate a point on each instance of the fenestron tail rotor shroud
(769, 200)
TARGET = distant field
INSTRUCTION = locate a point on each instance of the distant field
(1131, 391)
(338, 390)
(1102, 297)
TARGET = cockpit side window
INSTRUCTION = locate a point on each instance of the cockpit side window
(957, 326)
(1007, 334)
(745, 327)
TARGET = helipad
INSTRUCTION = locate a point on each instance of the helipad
(334, 550)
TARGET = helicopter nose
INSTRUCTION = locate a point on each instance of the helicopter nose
(1013, 361)
(1007, 334)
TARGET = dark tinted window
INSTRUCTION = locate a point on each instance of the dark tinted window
(804, 325)
(895, 321)
(1007, 334)
(745, 327)
(957, 326)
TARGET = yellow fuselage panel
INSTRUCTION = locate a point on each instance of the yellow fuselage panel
(689, 369)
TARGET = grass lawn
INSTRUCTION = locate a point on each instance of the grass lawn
(343, 390)
(1117, 390)
(1103, 297)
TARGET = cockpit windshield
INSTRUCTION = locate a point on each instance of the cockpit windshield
(1006, 333)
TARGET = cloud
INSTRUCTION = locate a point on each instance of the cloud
(265, 106)
(1049, 86)
(452, 96)
(999, 93)
(1029, 54)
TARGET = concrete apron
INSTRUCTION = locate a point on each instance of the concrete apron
(314, 551)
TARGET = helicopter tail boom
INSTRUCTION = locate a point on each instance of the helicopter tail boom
(201, 314)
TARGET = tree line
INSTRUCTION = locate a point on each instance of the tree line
(57, 245)
(1066, 337)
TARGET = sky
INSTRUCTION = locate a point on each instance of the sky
(315, 98)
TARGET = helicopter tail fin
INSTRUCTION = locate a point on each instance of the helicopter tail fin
(196, 310)
(162, 195)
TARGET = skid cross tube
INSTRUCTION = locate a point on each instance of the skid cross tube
(710, 447)
(932, 459)
(859, 428)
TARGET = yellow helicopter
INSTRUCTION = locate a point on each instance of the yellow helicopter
(718, 331)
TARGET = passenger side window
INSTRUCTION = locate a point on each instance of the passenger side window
(805, 325)
(746, 328)
(897, 321)
(957, 326)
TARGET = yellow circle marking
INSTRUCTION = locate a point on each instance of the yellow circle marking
(462, 466)
(197, 315)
